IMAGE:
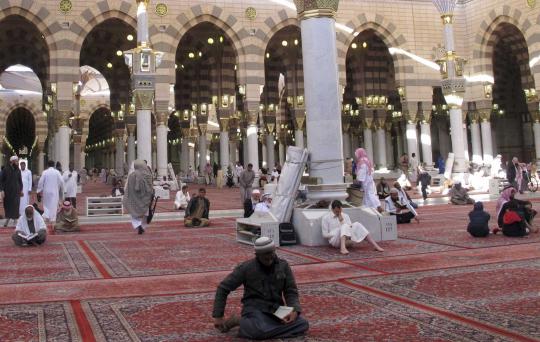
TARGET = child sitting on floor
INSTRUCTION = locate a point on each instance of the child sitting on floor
(478, 221)
(513, 224)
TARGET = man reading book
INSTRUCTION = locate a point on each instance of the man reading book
(30, 229)
(67, 219)
(270, 305)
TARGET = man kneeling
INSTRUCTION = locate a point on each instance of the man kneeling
(197, 211)
(67, 220)
(404, 213)
(30, 229)
(340, 232)
(269, 285)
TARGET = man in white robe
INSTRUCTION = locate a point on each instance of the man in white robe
(70, 185)
(30, 229)
(340, 232)
(26, 176)
(50, 187)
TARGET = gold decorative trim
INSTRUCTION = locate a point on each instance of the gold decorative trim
(531, 3)
(447, 19)
(317, 13)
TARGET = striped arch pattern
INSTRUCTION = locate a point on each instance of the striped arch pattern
(488, 34)
(86, 119)
(34, 108)
(168, 41)
(388, 33)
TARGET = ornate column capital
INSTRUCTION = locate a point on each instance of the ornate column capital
(368, 123)
(62, 118)
(316, 8)
(411, 117)
(143, 99)
(162, 118)
(203, 127)
(131, 129)
(252, 117)
(485, 115)
(224, 124)
(535, 115)
(426, 116)
(474, 116)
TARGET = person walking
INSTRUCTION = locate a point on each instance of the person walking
(11, 186)
(246, 179)
(138, 195)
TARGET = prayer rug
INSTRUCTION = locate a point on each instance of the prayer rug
(38, 322)
(336, 312)
(50, 262)
(175, 255)
(501, 295)
(364, 250)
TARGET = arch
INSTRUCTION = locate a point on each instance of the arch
(40, 119)
(195, 15)
(385, 30)
(278, 27)
(486, 40)
(85, 116)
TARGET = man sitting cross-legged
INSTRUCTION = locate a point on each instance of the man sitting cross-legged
(270, 306)
(67, 220)
(404, 212)
(340, 232)
(30, 229)
(197, 211)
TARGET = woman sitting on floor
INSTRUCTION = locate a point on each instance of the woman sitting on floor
(513, 224)
(478, 221)
(524, 208)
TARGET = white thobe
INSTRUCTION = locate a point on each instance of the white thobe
(26, 176)
(262, 207)
(333, 230)
(181, 200)
(70, 183)
(371, 200)
(50, 186)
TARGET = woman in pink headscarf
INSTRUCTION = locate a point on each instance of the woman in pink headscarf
(364, 174)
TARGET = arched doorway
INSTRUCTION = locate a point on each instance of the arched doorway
(283, 96)
(371, 101)
(206, 89)
(21, 134)
(512, 76)
(100, 142)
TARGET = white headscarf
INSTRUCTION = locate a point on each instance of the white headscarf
(22, 224)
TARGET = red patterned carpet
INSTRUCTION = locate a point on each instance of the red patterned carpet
(436, 283)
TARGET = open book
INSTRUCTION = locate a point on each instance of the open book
(283, 311)
(27, 237)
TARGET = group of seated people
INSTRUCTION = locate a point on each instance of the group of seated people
(257, 203)
(31, 229)
(514, 217)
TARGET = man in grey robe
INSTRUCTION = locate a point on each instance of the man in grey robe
(138, 195)
(246, 183)
(269, 287)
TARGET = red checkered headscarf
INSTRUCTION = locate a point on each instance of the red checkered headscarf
(362, 158)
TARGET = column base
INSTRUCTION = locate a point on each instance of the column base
(327, 192)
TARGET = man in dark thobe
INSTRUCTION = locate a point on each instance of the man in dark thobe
(269, 285)
(11, 185)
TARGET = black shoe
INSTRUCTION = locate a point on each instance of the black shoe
(140, 230)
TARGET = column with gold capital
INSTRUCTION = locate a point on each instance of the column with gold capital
(63, 138)
(453, 86)
(535, 115)
(253, 139)
(410, 111)
(381, 143)
(322, 95)
(119, 149)
(485, 129)
(425, 134)
(224, 142)
(161, 143)
(143, 62)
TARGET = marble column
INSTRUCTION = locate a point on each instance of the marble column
(425, 140)
(63, 138)
(354, 142)
(536, 131)
(410, 130)
(346, 145)
(487, 146)
(161, 144)
(130, 148)
(143, 103)
(389, 148)
(270, 152)
(381, 148)
(322, 95)
(465, 142)
(224, 144)
(253, 140)
(202, 153)
(476, 142)
(299, 138)
(77, 153)
(368, 141)
(184, 155)
(281, 153)
(245, 153)
(119, 155)
(233, 156)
